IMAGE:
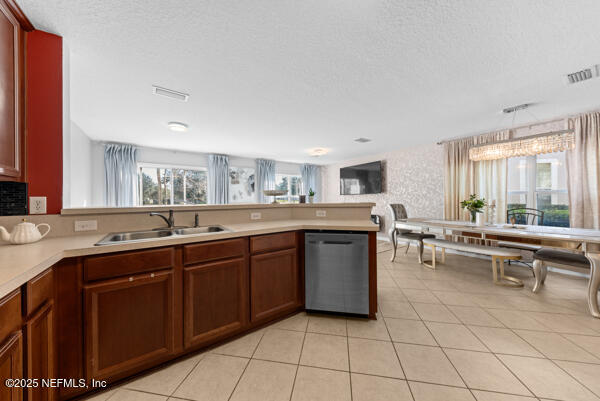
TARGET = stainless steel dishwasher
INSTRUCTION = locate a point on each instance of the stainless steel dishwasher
(337, 272)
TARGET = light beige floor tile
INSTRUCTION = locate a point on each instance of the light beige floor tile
(554, 346)
(435, 313)
(265, 381)
(588, 343)
(166, 380)
(214, 378)
(102, 396)
(413, 283)
(314, 384)
(409, 331)
(325, 351)
(132, 395)
(428, 364)
(586, 373)
(368, 328)
(545, 379)
(454, 298)
(385, 281)
(374, 357)
(401, 310)
(297, 322)
(451, 335)
(438, 285)
(387, 294)
(489, 396)
(562, 323)
(280, 346)
(504, 341)
(517, 319)
(243, 346)
(423, 296)
(374, 388)
(474, 316)
(402, 275)
(434, 392)
(483, 371)
(327, 325)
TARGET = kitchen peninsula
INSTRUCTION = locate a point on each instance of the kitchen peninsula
(108, 312)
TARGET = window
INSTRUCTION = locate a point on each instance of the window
(290, 183)
(540, 182)
(161, 185)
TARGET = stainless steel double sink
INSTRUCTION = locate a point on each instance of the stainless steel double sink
(136, 236)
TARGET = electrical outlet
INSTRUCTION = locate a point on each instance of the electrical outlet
(37, 205)
(86, 225)
(255, 216)
(321, 213)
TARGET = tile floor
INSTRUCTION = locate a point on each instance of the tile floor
(445, 335)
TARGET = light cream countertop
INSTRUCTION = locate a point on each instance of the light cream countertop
(21, 263)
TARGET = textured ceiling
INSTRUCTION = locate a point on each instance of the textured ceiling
(275, 78)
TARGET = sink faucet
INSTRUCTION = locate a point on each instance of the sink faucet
(170, 221)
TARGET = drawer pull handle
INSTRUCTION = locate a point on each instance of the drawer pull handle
(152, 275)
(130, 278)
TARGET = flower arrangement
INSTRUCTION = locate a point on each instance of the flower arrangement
(474, 205)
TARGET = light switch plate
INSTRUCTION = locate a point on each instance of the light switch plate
(321, 213)
(37, 205)
(255, 216)
(86, 225)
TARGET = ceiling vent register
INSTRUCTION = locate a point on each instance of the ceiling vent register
(173, 94)
(583, 75)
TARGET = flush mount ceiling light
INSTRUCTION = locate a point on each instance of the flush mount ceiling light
(173, 94)
(548, 142)
(362, 140)
(316, 152)
(177, 126)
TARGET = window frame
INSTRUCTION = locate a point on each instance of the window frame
(171, 167)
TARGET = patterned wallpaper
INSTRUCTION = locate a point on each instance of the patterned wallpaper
(412, 176)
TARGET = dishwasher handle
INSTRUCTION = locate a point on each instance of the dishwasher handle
(331, 242)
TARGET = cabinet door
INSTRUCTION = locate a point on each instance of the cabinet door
(128, 323)
(10, 96)
(11, 366)
(40, 352)
(274, 284)
(216, 300)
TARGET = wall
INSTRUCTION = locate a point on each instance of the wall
(161, 156)
(79, 170)
(412, 176)
(44, 117)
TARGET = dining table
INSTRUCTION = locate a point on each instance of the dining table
(580, 240)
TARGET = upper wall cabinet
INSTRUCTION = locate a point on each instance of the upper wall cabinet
(13, 24)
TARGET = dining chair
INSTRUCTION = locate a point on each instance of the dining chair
(526, 215)
(397, 213)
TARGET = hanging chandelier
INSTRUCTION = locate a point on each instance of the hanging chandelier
(549, 142)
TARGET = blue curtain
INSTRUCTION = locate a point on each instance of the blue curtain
(265, 178)
(120, 178)
(218, 179)
(310, 179)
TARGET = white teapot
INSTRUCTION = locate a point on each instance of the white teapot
(24, 233)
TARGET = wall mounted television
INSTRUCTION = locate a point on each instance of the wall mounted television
(361, 179)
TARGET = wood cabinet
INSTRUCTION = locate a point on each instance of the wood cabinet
(128, 322)
(275, 279)
(12, 144)
(11, 366)
(215, 300)
(11, 345)
(39, 332)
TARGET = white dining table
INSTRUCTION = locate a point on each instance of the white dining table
(586, 241)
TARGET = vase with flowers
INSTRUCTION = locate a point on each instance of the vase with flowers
(474, 205)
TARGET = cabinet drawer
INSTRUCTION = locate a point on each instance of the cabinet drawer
(127, 263)
(39, 290)
(208, 251)
(10, 314)
(273, 242)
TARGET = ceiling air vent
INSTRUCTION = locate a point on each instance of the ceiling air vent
(157, 90)
(583, 75)
(362, 140)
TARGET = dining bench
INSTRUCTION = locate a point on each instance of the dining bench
(499, 255)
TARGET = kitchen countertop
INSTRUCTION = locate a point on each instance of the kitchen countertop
(21, 263)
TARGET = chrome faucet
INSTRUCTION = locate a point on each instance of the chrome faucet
(170, 221)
